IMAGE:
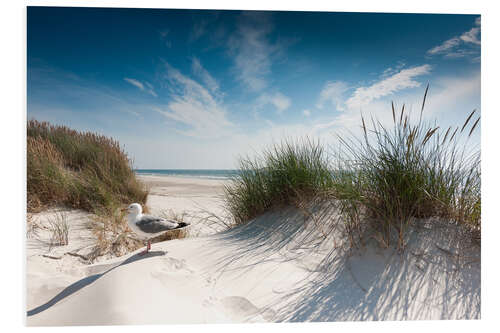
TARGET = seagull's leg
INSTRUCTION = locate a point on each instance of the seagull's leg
(146, 250)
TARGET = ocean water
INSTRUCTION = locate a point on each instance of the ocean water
(196, 173)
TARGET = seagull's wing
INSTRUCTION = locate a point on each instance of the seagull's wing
(152, 224)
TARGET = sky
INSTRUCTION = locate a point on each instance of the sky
(197, 89)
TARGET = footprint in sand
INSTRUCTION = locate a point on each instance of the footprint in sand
(170, 266)
(241, 308)
(209, 302)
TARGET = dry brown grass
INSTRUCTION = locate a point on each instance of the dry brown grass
(174, 234)
(32, 226)
(81, 170)
(114, 238)
(77, 169)
(59, 229)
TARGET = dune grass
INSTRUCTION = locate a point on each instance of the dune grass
(384, 179)
(412, 170)
(281, 175)
(77, 169)
(59, 229)
(82, 170)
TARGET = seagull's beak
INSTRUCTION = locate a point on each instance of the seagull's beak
(123, 209)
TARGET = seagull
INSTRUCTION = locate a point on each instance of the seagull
(147, 226)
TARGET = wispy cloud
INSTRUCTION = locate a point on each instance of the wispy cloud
(332, 93)
(373, 99)
(204, 75)
(252, 50)
(163, 36)
(459, 46)
(307, 113)
(193, 106)
(404, 79)
(278, 100)
(148, 88)
(134, 82)
(199, 29)
(452, 91)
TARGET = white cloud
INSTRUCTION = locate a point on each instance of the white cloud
(459, 46)
(307, 113)
(149, 88)
(459, 54)
(193, 106)
(449, 101)
(450, 92)
(471, 36)
(252, 50)
(447, 45)
(278, 100)
(134, 82)
(333, 93)
(204, 75)
(402, 80)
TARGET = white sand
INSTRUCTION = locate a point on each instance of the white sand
(200, 200)
(276, 268)
(50, 269)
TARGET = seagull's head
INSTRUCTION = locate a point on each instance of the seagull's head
(133, 209)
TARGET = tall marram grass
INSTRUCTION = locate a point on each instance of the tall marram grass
(77, 169)
(413, 169)
(282, 174)
(383, 179)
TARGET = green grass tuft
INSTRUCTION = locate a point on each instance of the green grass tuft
(413, 169)
(280, 176)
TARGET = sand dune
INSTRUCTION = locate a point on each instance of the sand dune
(280, 267)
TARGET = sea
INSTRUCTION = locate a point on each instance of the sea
(189, 173)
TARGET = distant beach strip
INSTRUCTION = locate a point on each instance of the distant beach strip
(190, 173)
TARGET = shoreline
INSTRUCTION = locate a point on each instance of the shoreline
(210, 174)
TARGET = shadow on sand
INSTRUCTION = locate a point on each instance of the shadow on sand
(436, 277)
(73, 288)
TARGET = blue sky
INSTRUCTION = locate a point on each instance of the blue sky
(197, 89)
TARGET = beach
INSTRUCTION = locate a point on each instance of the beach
(194, 166)
(52, 268)
(280, 267)
(199, 200)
